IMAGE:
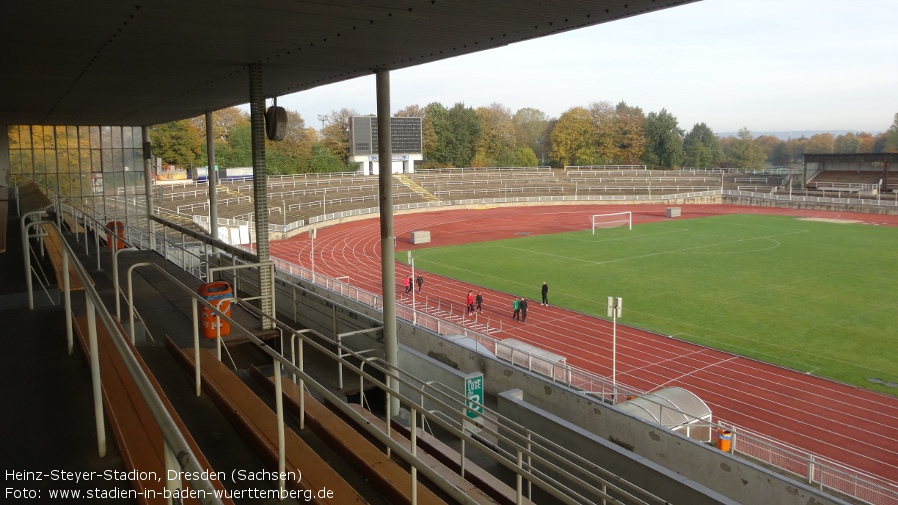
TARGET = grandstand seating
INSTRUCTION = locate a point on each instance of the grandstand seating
(137, 436)
(843, 178)
(392, 480)
(305, 198)
(54, 250)
(258, 423)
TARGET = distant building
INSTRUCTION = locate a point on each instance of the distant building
(407, 144)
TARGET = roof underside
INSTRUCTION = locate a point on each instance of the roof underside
(141, 63)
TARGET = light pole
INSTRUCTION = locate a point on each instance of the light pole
(615, 308)
(322, 118)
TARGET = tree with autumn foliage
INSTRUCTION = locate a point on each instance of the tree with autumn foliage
(628, 134)
(574, 139)
(335, 132)
(891, 138)
(495, 139)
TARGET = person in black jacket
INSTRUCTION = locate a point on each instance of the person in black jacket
(545, 294)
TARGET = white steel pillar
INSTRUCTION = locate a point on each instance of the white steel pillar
(149, 176)
(387, 247)
(211, 176)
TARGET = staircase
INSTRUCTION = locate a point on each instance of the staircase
(414, 186)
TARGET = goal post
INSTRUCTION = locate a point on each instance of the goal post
(611, 220)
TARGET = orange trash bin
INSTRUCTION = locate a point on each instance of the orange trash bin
(724, 439)
(119, 228)
(213, 292)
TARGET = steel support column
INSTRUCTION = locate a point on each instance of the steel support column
(149, 176)
(211, 174)
(260, 181)
(387, 246)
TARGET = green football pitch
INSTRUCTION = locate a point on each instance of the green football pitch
(818, 297)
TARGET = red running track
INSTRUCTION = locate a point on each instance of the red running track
(850, 425)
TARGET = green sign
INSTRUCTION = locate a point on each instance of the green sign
(474, 394)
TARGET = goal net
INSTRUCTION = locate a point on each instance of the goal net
(611, 220)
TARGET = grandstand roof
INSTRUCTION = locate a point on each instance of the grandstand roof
(97, 62)
(852, 158)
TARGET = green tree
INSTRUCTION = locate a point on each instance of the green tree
(178, 142)
(238, 151)
(532, 128)
(701, 147)
(323, 160)
(663, 141)
(847, 144)
(291, 155)
(781, 156)
(574, 139)
(456, 129)
(745, 152)
(520, 157)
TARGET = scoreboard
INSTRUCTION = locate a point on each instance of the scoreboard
(405, 133)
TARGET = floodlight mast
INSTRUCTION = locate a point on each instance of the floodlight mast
(614, 311)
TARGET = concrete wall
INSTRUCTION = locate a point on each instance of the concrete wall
(640, 471)
(419, 365)
(703, 464)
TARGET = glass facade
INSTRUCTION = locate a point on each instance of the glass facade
(96, 166)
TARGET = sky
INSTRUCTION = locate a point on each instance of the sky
(764, 65)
